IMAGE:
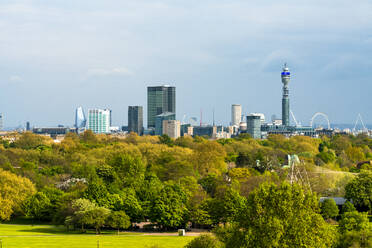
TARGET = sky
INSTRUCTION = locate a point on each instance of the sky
(57, 55)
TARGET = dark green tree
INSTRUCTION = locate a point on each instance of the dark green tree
(37, 206)
(347, 207)
(359, 190)
(329, 209)
(169, 209)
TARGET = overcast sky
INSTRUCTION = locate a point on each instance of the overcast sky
(57, 55)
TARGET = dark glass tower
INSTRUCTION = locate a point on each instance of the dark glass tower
(160, 99)
(135, 119)
(286, 75)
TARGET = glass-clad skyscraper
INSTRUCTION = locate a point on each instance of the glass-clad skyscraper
(80, 120)
(135, 119)
(99, 120)
(160, 99)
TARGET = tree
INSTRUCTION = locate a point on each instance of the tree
(14, 190)
(29, 140)
(169, 209)
(204, 241)
(355, 230)
(225, 206)
(96, 217)
(353, 221)
(119, 219)
(347, 207)
(279, 216)
(329, 209)
(359, 190)
(80, 209)
(166, 140)
(37, 206)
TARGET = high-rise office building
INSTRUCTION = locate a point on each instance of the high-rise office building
(99, 120)
(135, 119)
(236, 114)
(286, 76)
(80, 120)
(254, 125)
(160, 99)
(28, 126)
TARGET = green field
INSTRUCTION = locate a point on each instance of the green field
(40, 236)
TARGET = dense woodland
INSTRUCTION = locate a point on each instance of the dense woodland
(238, 187)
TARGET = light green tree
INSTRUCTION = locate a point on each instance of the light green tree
(279, 216)
(119, 219)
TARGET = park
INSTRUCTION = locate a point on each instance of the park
(43, 236)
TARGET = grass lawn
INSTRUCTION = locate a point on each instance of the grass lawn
(43, 236)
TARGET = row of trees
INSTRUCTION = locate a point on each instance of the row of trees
(90, 181)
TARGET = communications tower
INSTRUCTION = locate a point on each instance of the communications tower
(286, 76)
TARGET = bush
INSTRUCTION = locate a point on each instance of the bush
(204, 241)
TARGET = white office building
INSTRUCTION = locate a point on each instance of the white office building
(172, 128)
(99, 120)
(236, 114)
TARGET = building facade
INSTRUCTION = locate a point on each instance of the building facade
(159, 121)
(80, 120)
(236, 114)
(254, 126)
(135, 119)
(172, 128)
(99, 120)
(160, 99)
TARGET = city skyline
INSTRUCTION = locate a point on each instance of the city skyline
(58, 56)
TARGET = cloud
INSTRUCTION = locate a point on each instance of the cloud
(117, 71)
(15, 78)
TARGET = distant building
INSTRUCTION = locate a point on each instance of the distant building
(187, 130)
(99, 120)
(159, 121)
(254, 126)
(80, 120)
(135, 119)
(236, 114)
(160, 99)
(172, 128)
(205, 131)
(28, 126)
(53, 131)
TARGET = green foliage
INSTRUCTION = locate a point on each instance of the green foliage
(37, 206)
(347, 207)
(169, 209)
(166, 140)
(205, 241)
(14, 190)
(29, 140)
(225, 206)
(353, 221)
(355, 229)
(279, 216)
(359, 190)
(327, 156)
(119, 220)
(329, 209)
